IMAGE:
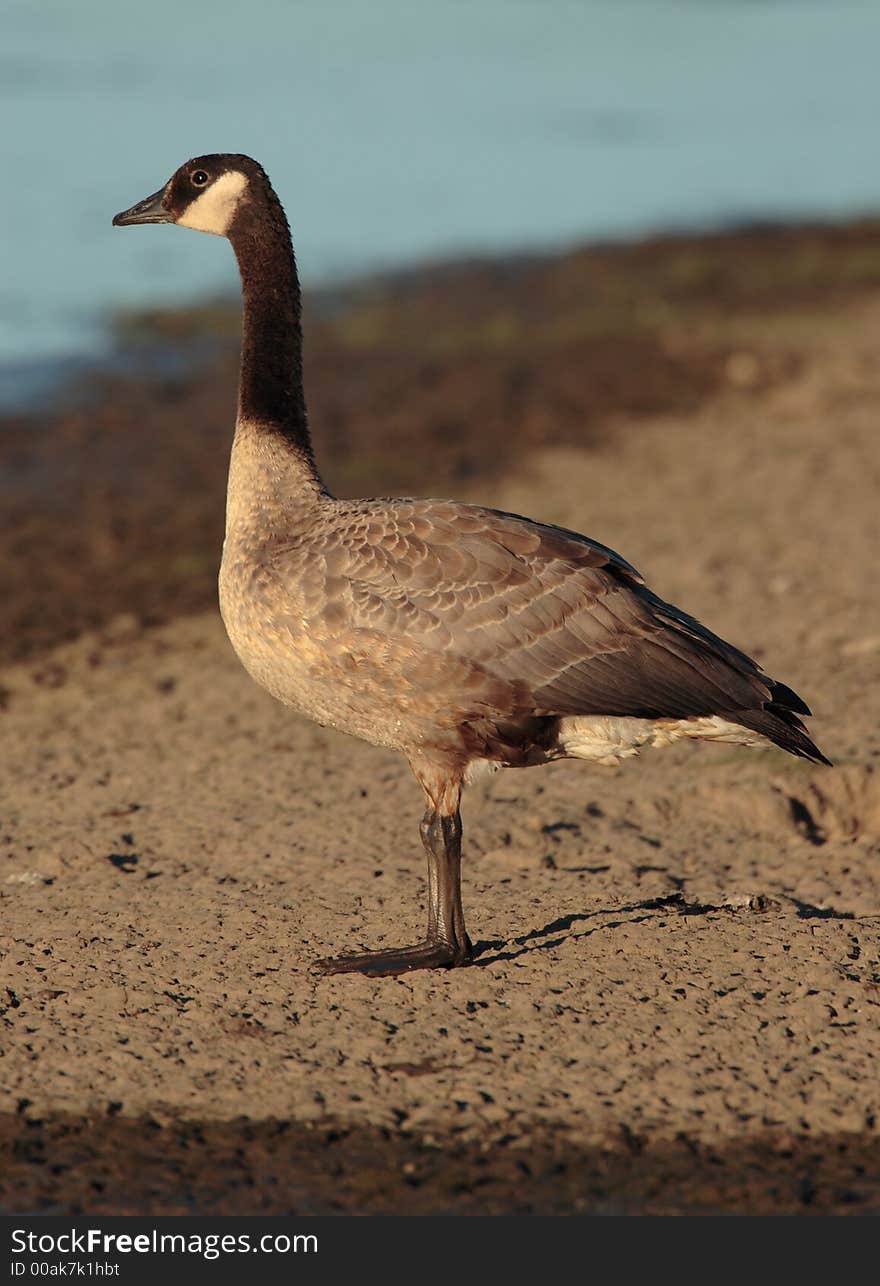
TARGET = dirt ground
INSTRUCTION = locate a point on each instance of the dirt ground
(676, 1001)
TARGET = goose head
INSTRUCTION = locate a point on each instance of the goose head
(208, 193)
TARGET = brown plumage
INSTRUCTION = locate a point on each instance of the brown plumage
(463, 637)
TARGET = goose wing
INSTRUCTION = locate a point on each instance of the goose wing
(555, 623)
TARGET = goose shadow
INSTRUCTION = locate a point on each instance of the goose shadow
(557, 931)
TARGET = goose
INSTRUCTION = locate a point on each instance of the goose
(467, 638)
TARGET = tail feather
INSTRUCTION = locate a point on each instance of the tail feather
(784, 696)
(778, 721)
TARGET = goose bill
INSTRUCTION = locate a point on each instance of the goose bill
(150, 210)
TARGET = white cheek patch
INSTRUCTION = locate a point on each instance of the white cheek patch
(214, 210)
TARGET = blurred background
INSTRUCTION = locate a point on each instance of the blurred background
(522, 224)
(399, 132)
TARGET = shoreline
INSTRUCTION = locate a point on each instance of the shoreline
(47, 380)
(117, 495)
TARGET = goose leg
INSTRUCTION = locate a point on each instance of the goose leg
(446, 943)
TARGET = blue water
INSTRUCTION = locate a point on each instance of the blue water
(397, 130)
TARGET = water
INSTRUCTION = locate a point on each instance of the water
(396, 131)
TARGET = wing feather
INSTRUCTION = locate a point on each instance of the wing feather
(562, 622)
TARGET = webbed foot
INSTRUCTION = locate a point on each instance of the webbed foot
(397, 960)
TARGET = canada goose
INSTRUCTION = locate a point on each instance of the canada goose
(464, 637)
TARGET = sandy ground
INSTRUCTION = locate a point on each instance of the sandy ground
(676, 1002)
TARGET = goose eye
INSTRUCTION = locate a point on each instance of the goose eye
(199, 178)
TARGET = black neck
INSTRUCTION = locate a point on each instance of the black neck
(270, 395)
